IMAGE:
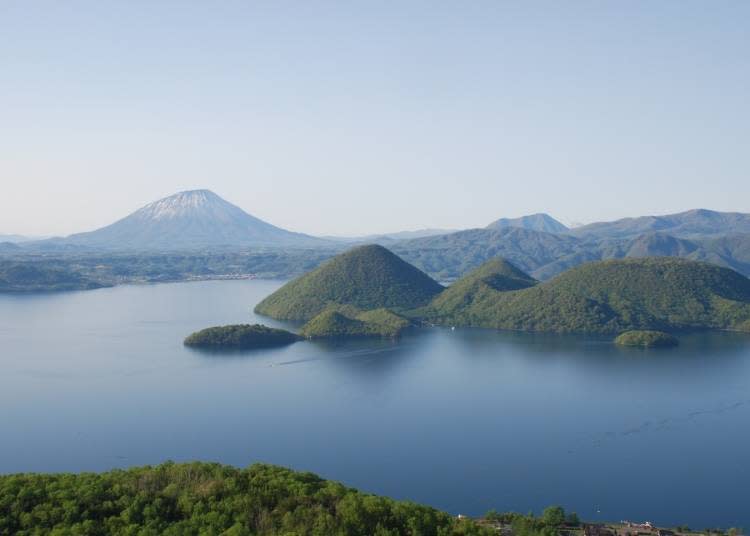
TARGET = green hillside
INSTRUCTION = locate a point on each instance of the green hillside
(240, 336)
(606, 297)
(212, 499)
(495, 275)
(346, 323)
(366, 277)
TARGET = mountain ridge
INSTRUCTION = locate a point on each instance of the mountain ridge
(693, 223)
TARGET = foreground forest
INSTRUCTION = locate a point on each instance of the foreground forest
(213, 499)
(204, 498)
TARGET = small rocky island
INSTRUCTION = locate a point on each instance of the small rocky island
(646, 339)
(241, 336)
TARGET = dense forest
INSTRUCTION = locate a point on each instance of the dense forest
(348, 322)
(241, 336)
(366, 277)
(661, 293)
(646, 339)
(209, 499)
(664, 294)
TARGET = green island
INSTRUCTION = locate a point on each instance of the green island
(604, 297)
(348, 322)
(646, 339)
(241, 336)
(212, 499)
(366, 277)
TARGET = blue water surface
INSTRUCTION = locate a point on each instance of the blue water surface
(463, 420)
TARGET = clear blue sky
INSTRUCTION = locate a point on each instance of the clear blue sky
(357, 117)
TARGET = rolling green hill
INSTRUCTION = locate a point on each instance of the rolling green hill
(366, 277)
(495, 275)
(605, 297)
(347, 322)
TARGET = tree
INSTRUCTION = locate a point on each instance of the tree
(553, 516)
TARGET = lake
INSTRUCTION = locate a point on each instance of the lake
(463, 420)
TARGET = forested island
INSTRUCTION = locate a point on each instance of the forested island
(241, 336)
(646, 339)
(365, 277)
(604, 297)
(369, 291)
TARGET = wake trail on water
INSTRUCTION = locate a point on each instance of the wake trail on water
(352, 354)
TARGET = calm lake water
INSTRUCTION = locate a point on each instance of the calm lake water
(463, 420)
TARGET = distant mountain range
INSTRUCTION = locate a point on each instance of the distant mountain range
(15, 238)
(545, 255)
(187, 220)
(389, 237)
(696, 223)
(199, 221)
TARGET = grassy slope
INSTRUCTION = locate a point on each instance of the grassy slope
(367, 277)
(609, 297)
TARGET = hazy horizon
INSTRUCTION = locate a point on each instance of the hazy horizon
(355, 119)
(344, 234)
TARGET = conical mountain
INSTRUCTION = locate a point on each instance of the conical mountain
(187, 220)
(535, 222)
(366, 277)
(495, 275)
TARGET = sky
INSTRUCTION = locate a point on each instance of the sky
(356, 117)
